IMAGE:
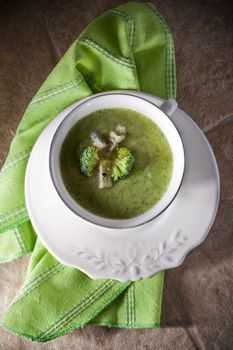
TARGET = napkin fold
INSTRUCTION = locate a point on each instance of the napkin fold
(130, 48)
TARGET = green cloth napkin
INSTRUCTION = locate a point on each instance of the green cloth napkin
(131, 48)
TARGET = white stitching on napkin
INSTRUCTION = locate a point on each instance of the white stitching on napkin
(55, 91)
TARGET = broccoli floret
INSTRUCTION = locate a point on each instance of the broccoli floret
(97, 141)
(105, 180)
(120, 129)
(88, 160)
(114, 162)
(115, 139)
(122, 164)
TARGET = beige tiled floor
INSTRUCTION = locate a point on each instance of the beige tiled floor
(198, 296)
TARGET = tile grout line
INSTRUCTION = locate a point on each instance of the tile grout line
(192, 331)
(224, 121)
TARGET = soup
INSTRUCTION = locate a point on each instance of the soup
(148, 179)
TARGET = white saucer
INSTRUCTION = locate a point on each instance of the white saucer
(126, 254)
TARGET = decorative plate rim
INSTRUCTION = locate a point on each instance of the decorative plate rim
(134, 272)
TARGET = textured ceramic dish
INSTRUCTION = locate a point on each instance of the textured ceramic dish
(135, 253)
(140, 105)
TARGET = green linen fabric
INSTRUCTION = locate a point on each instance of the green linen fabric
(131, 48)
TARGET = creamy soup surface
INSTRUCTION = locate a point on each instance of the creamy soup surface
(148, 179)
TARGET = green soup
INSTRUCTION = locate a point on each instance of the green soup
(148, 179)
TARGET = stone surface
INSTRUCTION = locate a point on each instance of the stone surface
(25, 61)
(202, 31)
(198, 296)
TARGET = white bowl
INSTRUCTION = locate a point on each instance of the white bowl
(160, 116)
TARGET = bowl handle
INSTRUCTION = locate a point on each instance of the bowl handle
(169, 106)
